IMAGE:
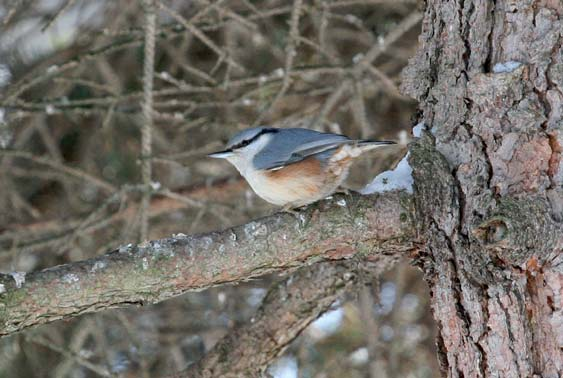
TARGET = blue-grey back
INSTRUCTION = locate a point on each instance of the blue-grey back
(295, 144)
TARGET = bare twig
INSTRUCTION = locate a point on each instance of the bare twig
(371, 328)
(359, 109)
(60, 11)
(232, 15)
(44, 234)
(102, 371)
(290, 53)
(387, 82)
(365, 61)
(200, 35)
(347, 3)
(331, 101)
(79, 337)
(146, 130)
(72, 172)
(323, 24)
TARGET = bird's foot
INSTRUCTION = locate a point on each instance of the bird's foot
(291, 209)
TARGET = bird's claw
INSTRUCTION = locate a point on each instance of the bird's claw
(289, 209)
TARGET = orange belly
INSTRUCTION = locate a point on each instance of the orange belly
(299, 183)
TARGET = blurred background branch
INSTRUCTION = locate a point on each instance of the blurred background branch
(288, 308)
(147, 107)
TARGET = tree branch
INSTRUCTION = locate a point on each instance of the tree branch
(371, 226)
(288, 308)
(147, 107)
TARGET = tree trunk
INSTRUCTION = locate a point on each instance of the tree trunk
(488, 183)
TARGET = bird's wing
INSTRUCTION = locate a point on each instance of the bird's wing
(295, 145)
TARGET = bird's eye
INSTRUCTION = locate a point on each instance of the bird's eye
(245, 143)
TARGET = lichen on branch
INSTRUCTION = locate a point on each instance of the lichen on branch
(334, 229)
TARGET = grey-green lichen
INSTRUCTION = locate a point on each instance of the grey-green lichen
(518, 229)
(10, 299)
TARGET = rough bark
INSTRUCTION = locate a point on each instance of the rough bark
(289, 307)
(378, 228)
(488, 183)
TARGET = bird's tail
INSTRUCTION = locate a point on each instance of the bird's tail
(367, 145)
(354, 148)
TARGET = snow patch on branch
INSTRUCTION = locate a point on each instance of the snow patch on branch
(99, 265)
(5, 75)
(19, 277)
(284, 367)
(359, 357)
(506, 67)
(397, 179)
(417, 129)
(327, 324)
(70, 278)
(145, 263)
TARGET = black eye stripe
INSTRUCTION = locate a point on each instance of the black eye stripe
(246, 142)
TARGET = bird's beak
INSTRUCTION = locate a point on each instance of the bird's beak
(221, 154)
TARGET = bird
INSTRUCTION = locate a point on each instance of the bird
(293, 167)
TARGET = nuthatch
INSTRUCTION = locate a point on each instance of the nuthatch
(293, 167)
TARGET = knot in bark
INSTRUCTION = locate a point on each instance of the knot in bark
(518, 230)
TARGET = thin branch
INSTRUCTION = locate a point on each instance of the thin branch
(347, 3)
(60, 11)
(40, 74)
(201, 36)
(41, 235)
(101, 371)
(373, 53)
(330, 102)
(290, 53)
(373, 227)
(147, 106)
(365, 62)
(72, 172)
(233, 15)
(323, 25)
(105, 102)
(377, 369)
(359, 110)
(388, 84)
(246, 352)
(78, 339)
